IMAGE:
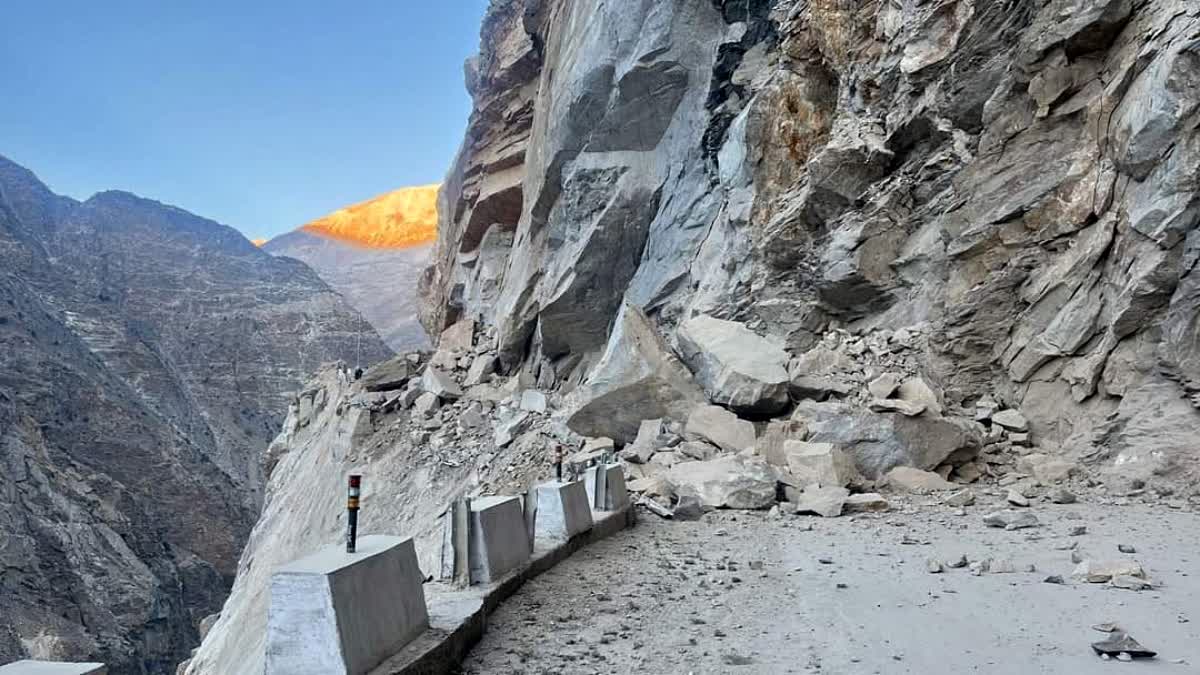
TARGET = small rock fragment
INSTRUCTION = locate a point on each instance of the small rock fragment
(1131, 583)
(1011, 420)
(1062, 496)
(1099, 572)
(934, 566)
(1077, 530)
(1017, 499)
(1121, 643)
(1054, 579)
(961, 498)
(1126, 548)
(868, 501)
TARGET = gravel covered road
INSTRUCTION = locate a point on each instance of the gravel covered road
(747, 592)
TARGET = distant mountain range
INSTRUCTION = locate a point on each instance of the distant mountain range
(147, 357)
(373, 253)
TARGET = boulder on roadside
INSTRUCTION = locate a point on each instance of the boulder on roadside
(906, 408)
(720, 427)
(879, 442)
(458, 338)
(726, 482)
(388, 376)
(770, 444)
(1011, 420)
(916, 391)
(915, 480)
(651, 487)
(827, 502)
(637, 378)
(818, 387)
(426, 404)
(821, 463)
(1011, 520)
(440, 384)
(481, 370)
(735, 366)
(884, 386)
(1100, 572)
(866, 502)
(699, 450)
(960, 499)
(533, 401)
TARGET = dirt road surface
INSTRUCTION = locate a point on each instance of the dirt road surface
(749, 592)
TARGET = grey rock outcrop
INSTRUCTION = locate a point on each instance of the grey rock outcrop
(1016, 187)
(637, 377)
(879, 442)
(737, 368)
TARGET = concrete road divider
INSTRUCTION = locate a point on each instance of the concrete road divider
(499, 540)
(339, 613)
(562, 510)
(606, 487)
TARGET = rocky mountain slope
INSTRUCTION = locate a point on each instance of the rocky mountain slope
(787, 249)
(381, 283)
(148, 356)
(1015, 179)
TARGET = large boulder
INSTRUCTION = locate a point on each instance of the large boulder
(822, 463)
(637, 378)
(390, 375)
(737, 368)
(720, 427)
(726, 482)
(879, 442)
(440, 384)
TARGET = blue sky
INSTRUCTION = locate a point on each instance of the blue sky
(261, 114)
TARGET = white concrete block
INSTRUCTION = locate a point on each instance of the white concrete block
(615, 497)
(53, 668)
(562, 510)
(499, 541)
(338, 613)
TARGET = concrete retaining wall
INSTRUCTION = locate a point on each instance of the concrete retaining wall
(458, 617)
(338, 613)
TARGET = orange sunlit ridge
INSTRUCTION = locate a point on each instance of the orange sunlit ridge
(400, 219)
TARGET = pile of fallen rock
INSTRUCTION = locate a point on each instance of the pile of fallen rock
(724, 418)
(819, 433)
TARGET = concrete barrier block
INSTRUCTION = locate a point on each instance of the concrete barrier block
(563, 510)
(53, 668)
(345, 613)
(499, 541)
(611, 482)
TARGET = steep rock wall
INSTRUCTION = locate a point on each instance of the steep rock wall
(1016, 178)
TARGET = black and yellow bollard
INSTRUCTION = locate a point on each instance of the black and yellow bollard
(352, 495)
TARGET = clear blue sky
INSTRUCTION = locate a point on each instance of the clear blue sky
(261, 114)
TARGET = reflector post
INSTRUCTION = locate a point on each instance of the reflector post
(352, 495)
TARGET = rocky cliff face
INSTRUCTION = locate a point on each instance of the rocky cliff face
(1016, 180)
(381, 283)
(148, 356)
